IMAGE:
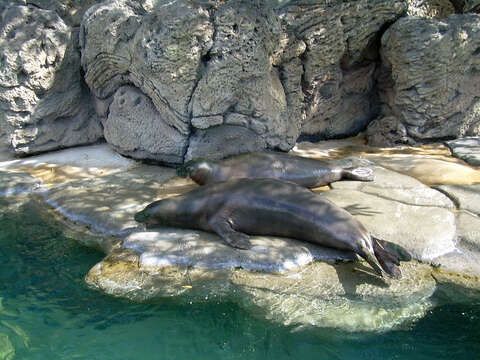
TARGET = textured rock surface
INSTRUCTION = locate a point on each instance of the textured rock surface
(134, 128)
(241, 74)
(393, 186)
(426, 231)
(45, 104)
(437, 9)
(12, 183)
(467, 149)
(173, 247)
(428, 82)
(107, 204)
(466, 197)
(337, 97)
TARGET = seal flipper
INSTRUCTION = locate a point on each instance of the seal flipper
(388, 260)
(358, 173)
(222, 227)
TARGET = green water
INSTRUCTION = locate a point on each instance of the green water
(46, 312)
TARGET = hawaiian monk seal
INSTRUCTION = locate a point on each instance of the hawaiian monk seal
(302, 171)
(239, 207)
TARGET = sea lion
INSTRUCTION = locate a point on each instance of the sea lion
(242, 207)
(302, 171)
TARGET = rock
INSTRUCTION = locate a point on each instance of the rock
(275, 72)
(471, 6)
(426, 232)
(284, 280)
(211, 143)
(13, 183)
(70, 11)
(467, 149)
(134, 128)
(45, 103)
(160, 52)
(466, 197)
(393, 186)
(430, 170)
(107, 204)
(239, 78)
(320, 294)
(436, 9)
(338, 97)
(7, 351)
(165, 247)
(458, 272)
(337, 297)
(428, 80)
(70, 164)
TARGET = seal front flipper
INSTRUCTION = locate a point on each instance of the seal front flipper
(222, 226)
(358, 173)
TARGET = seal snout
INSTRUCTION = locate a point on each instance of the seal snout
(141, 216)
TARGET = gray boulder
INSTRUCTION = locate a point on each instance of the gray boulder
(437, 9)
(467, 149)
(134, 128)
(428, 81)
(45, 104)
(337, 96)
(235, 76)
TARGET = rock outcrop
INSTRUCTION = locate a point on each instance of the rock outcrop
(171, 81)
(244, 74)
(428, 81)
(45, 103)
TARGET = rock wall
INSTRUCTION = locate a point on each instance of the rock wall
(429, 81)
(175, 80)
(45, 103)
(243, 74)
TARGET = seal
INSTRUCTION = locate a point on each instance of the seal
(238, 208)
(302, 171)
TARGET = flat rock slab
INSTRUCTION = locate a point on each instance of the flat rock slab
(425, 231)
(391, 185)
(14, 183)
(175, 247)
(67, 165)
(428, 170)
(466, 197)
(467, 149)
(108, 203)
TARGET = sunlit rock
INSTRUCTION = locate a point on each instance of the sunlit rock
(393, 186)
(467, 149)
(425, 231)
(467, 197)
(12, 183)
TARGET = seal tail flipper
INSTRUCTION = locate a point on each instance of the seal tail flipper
(359, 174)
(388, 260)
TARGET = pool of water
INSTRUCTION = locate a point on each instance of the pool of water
(47, 312)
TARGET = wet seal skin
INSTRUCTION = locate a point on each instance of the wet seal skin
(238, 208)
(305, 172)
